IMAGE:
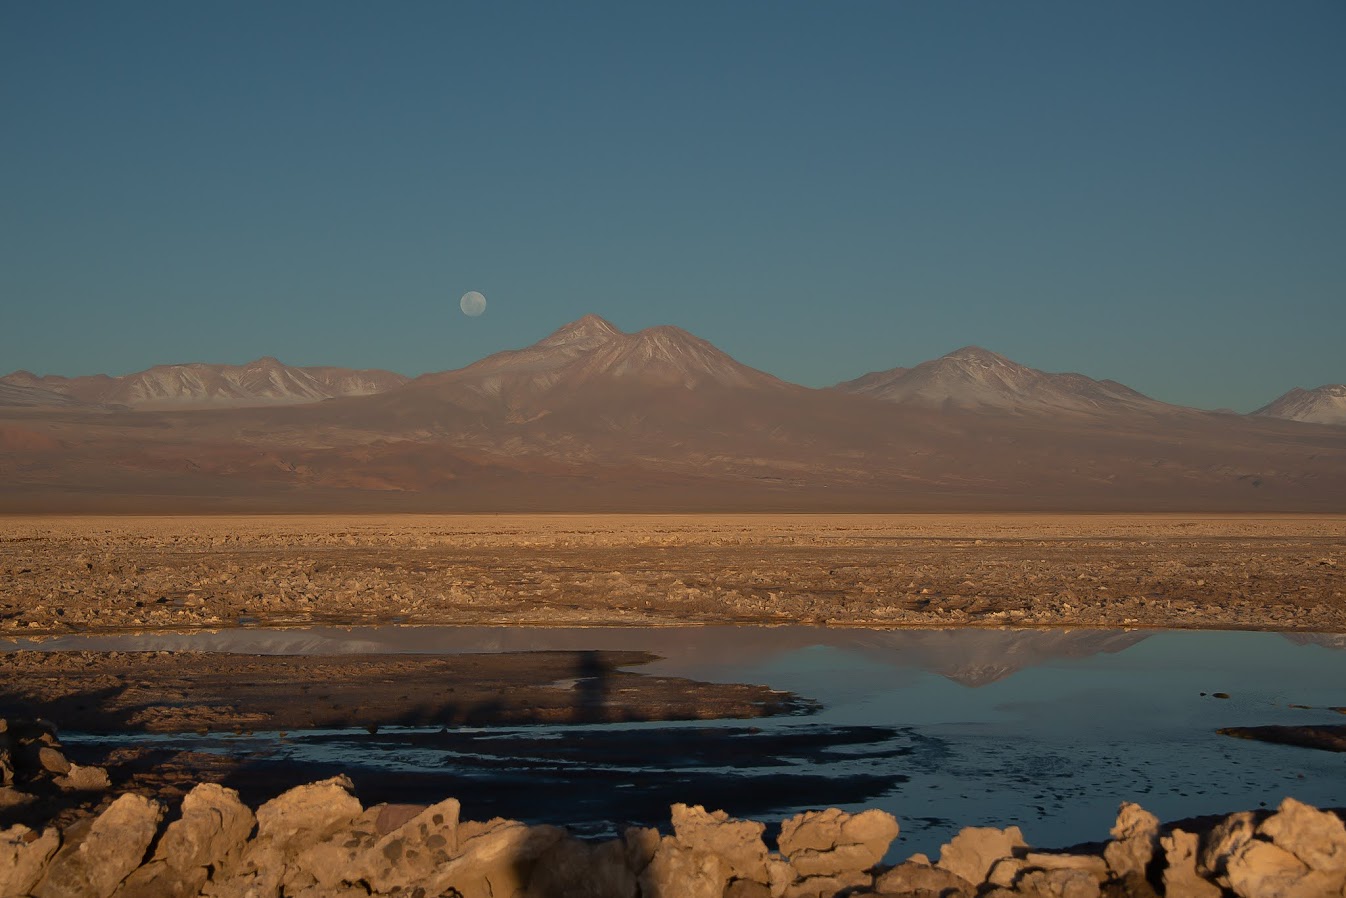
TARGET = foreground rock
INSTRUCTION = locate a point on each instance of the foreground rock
(95, 859)
(31, 761)
(318, 841)
(36, 778)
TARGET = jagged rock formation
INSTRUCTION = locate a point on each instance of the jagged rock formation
(318, 841)
(1322, 405)
(976, 378)
(265, 381)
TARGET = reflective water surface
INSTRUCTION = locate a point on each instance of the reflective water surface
(1050, 729)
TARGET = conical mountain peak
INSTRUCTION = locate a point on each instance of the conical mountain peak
(976, 378)
(591, 329)
(534, 366)
(671, 335)
(591, 351)
(978, 355)
(1321, 405)
(592, 321)
(666, 354)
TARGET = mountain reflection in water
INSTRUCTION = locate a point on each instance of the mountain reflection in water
(972, 657)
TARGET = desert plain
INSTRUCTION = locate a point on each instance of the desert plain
(102, 575)
(1219, 571)
(107, 575)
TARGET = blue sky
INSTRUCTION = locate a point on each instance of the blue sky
(1150, 192)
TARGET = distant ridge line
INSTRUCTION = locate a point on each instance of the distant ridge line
(592, 348)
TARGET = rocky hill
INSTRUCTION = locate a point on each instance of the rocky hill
(1323, 405)
(975, 378)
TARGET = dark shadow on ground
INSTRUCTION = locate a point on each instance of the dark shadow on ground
(595, 780)
(186, 691)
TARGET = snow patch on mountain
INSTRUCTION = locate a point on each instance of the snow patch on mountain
(266, 381)
(976, 378)
(1323, 405)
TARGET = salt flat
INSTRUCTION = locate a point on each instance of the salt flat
(96, 573)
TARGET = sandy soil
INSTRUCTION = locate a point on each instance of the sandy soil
(89, 574)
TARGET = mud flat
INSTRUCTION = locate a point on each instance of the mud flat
(92, 574)
(266, 723)
(1327, 738)
(111, 692)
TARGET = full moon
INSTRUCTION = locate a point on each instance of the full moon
(472, 304)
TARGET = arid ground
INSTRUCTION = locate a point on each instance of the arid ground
(91, 574)
(64, 575)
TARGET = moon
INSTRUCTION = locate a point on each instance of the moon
(472, 304)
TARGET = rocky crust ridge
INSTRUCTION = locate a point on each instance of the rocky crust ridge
(318, 841)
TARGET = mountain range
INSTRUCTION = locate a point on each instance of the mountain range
(196, 385)
(592, 418)
(970, 378)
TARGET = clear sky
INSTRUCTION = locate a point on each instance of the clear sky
(1149, 192)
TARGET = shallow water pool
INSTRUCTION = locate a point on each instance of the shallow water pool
(1049, 729)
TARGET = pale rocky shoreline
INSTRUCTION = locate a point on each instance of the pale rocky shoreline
(319, 841)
